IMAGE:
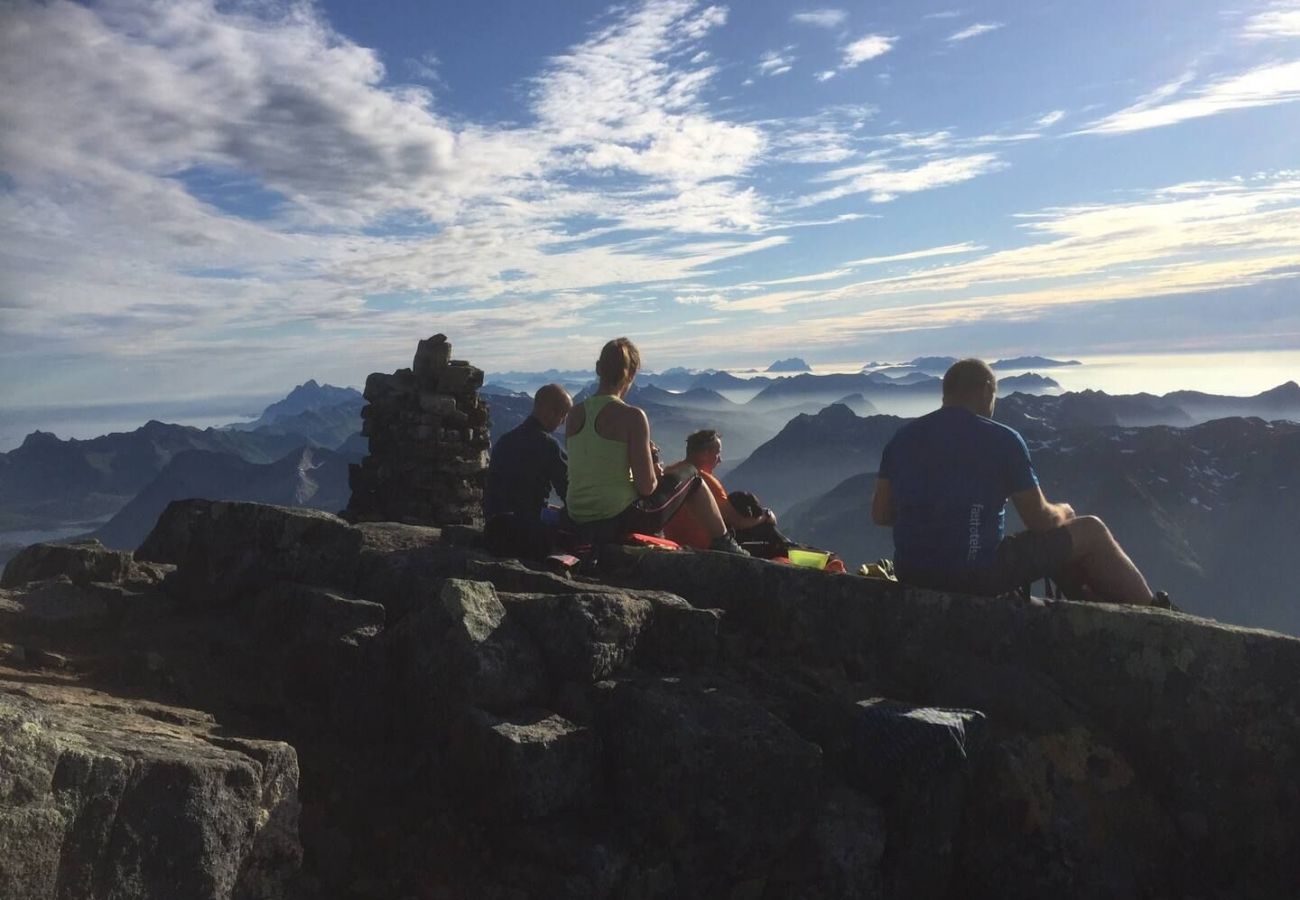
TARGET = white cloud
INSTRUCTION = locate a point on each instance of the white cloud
(1190, 237)
(866, 48)
(1265, 85)
(1050, 119)
(974, 31)
(825, 75)
(132, 129)
(1283, 21)
(946, 250)
(833, 135)
(822, 18)
(882, 181)
(775, 62)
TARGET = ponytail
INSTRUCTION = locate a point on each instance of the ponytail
(619, 362)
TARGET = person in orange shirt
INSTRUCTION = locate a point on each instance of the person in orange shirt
(703, 453)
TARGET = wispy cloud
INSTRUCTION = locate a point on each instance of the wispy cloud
(1282, 21)
(866, 48)
(882, 181)
(1265, 85)
(974, 31)
(825, 75)
(946, 250)
(775, 62)
(822, 18)
(128, 161)
(1191, 237)
(1049, 119)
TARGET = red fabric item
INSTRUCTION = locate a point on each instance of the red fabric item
(649, 540)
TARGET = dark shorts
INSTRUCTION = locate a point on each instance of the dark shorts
(1031, 555)
(1021, 559)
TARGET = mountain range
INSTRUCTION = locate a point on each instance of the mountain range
(313, 477)
(1208, 509)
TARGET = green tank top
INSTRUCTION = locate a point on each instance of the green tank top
(600, 479)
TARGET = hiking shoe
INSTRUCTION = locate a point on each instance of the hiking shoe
(1160, 600)
(727, 544)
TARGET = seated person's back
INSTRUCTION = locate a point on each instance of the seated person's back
(527, 463)
(602, 485)
(943, 484)
(951, 472)
(616, 484)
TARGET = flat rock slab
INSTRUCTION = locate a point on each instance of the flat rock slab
(526, 766)
(106, 798)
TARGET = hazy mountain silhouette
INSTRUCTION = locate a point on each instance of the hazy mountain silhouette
(311, 477)
(725, 381)
(812, 454)
(47, 481)
(306, 397)
(1032, 362)
(1029, 383)
(793, 364)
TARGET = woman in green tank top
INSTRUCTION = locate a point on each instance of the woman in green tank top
(615, 478)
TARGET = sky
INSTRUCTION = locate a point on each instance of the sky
(202, 198)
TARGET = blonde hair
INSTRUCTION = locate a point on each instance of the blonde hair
(619, 362)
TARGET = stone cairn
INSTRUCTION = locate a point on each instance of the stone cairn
(428, 432)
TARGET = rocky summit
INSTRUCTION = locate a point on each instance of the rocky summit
(265, 702)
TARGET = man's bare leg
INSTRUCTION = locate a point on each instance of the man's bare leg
(706, 511)
(1104, 566)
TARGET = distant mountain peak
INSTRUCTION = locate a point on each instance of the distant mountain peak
(1288, 390)
(40, 438)
(307, 396)
(793, 364)
(836, 411)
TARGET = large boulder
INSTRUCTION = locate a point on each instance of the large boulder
(105, 798)
(320, 656)
(81, 562)
(225, 550)
(401, 566)
(1200, 711)
(584, 637)
(1076, 804)
(701, 769)
(676, 635)
(461, 649)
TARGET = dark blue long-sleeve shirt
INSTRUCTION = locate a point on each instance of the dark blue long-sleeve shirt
(526, 463)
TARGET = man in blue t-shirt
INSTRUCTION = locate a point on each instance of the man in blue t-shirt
(526, 464)
(943, 485)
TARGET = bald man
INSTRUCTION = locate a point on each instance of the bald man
(944, 482)
(527, 462)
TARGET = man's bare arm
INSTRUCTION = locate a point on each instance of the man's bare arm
(882, 503)
(1037, 513)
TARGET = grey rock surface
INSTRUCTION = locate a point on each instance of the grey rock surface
(102, 798)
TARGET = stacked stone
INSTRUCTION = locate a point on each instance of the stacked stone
(428, 431)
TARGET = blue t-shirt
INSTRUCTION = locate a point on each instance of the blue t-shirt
(526, 464)
(951, 473)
